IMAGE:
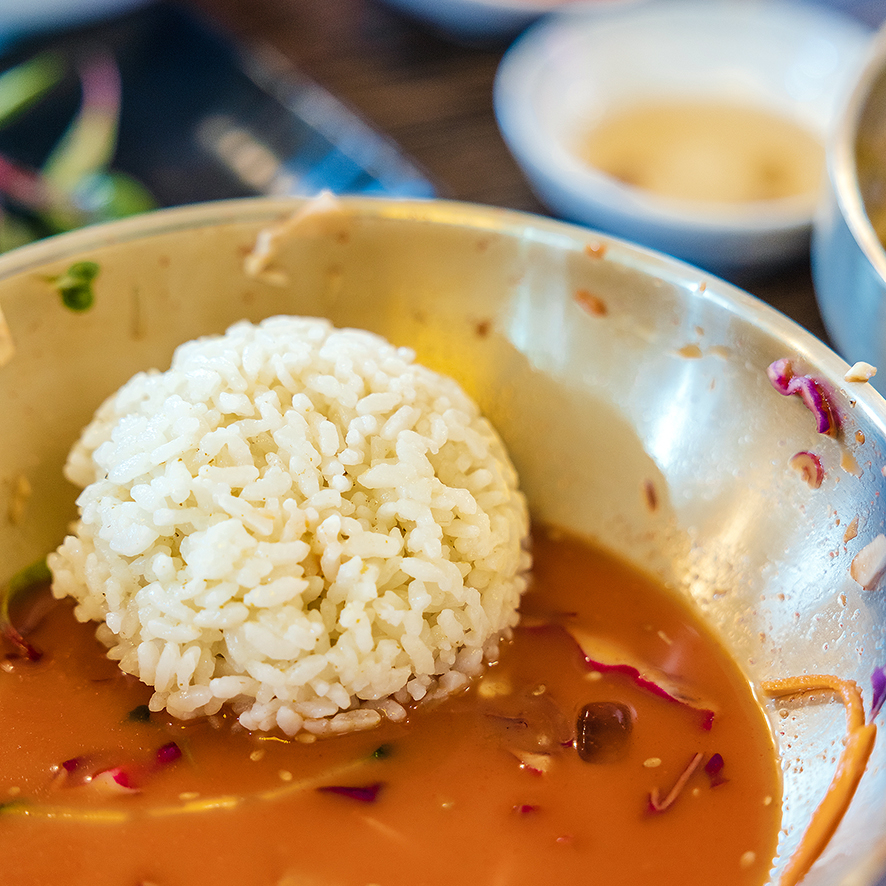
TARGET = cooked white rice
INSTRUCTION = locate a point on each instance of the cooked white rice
(296, 520)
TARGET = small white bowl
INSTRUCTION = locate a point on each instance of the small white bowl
(487, 20)
(568, 72)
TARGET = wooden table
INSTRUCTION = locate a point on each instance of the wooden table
(434, 98)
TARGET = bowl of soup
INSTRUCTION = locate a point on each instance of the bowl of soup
(848, 255)
(694, 682)
(696, 128)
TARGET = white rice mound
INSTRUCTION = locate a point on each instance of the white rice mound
(298, 521)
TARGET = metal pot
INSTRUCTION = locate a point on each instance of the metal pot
(607, 369)
(848, 258)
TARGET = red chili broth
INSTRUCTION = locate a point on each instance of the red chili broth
(453, 804)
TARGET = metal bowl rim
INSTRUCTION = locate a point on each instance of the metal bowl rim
(797, 340)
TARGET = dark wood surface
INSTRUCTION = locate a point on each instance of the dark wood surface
(434, 98)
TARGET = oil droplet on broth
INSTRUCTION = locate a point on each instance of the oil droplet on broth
(706, 151)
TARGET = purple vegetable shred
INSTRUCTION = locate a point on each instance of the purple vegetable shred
(365, 794)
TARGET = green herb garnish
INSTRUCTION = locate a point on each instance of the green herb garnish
(139, 714)
(75, 285)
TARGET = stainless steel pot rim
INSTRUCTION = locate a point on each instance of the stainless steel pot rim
(842, 166)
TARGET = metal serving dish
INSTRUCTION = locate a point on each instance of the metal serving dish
(606, 368)
(848, 259)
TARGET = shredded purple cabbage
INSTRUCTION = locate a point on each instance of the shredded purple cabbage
(714, 770)
(168, 753)
(365, 794)
(641, 679)
(780, 374)
(809, 466)
(782, 377)
(878, 684)
(25, 649)
(644, 682)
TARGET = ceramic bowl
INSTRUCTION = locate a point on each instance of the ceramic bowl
(607, 368)
(566, 75)
(489, 21)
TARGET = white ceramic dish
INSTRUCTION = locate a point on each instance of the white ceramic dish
(489, 20)
(794, 60)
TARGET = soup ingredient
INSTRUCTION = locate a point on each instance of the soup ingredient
(869, 564)
(850, 767)
(878, 689)
(365, 794)
(602, 655)
(784, 378)
(714, 769)
(808, 466)
(706, 151)
(244, 807)
(312, 218)
(299, 521)
(860, 372)
(603, 731)
(23, 580)
(660, 805)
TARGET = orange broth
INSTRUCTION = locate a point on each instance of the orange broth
(445, 798)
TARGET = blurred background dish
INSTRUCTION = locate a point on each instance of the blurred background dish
(19, 19)
(693, 127)
(490, 20)
(848, 254)
(158, 107)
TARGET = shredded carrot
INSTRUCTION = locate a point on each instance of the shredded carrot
(660, 805)
(857, 749)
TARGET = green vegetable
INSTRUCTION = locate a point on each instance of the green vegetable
(75, 285)
(139, 714)
(76, 184)
(27, 83)
(16, 231)
(23, 581)
(104, 196)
